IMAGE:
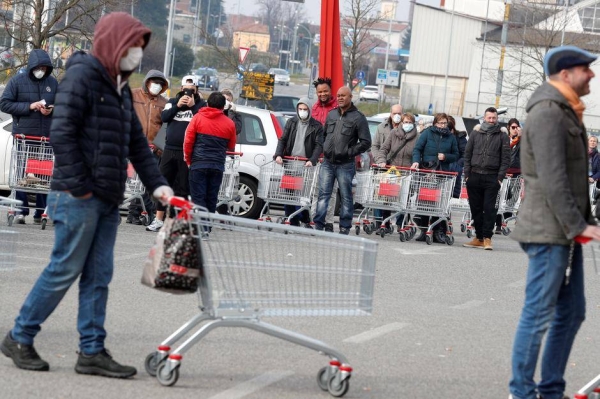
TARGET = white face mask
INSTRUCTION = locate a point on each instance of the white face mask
(396, 118)
(407, 127)
(155, 88)
(39, 73)
(302, 114)
(132, 59)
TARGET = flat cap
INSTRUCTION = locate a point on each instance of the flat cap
(565, 57)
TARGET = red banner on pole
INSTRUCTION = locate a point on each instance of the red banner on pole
(330, 48)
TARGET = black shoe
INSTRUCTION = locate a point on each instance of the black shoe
(344, 231)
(23, 356)
(421, 237)
(134, 220)
(498, 230)
(37, 220)
(318, 226)
(329, 227)
(104, 365)
(439, 236)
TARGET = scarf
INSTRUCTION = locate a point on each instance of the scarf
(515, 141)
(572, 97)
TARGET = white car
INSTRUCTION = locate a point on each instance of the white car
(371, 93)
(282, 77)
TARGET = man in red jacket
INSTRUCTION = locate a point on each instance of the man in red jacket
(207, 138)
(319, 111)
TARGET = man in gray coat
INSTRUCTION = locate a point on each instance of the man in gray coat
(555, 217)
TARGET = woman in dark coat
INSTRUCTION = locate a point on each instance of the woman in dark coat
(461, 140)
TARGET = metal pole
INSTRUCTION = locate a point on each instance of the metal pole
(218, 30)
(173, 62)
(195, 32)
(562, 38)
(169, 38)
(206, 27)
(132, 8)
(387, 47)
(294, 46)
(502, 52)
(448, 58)
(482, 56)
(308, 51)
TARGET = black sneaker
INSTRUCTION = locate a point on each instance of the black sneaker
(103, 364)
(329, 227)
(134, 220)
(344, 231)
(318, 226)
(23, 356)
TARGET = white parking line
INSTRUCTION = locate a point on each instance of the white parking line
(376, 332)
(517, 284)
(256, 384)
(426, 251)
(131, 256)
(468, 305)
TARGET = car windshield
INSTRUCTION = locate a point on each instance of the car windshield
(280, 72)
(370, 88)
(204, 71)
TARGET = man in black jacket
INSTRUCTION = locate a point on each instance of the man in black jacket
(29, 98)
(487, 157)
(346, 135)
(94, 131)
(177, 114)
(302, 137)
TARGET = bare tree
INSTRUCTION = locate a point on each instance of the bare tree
(356, 41)
(34, 24)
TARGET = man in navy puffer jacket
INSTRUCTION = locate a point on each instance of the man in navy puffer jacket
(29, 98)
(94, 131)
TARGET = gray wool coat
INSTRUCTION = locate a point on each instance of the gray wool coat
(394, 140)
(554, 164)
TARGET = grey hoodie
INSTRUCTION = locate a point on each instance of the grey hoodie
(554, 164)
(298, 149)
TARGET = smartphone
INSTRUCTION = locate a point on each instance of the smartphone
(48, 106)
(188, 92)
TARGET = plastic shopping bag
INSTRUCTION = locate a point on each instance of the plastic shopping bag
(174, 262)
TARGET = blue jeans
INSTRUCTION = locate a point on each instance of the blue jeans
(328, 174)
(85, 232)
(551, 306)
(204, 187)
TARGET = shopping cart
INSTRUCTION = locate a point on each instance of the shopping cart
(8, 237)
(250, 271)
(510, 196)
(231, 178)
(461, 204)
(594, 194)
(291, 183)
(134, 190)
(428, 195)
(31, 165)
(383, 192)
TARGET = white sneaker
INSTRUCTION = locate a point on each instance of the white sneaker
(155, 225)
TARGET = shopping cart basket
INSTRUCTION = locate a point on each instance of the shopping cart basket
(291, 183)
(510, 196)
(429, 195)
(461, 204)
(383, 192)
(250, 270)
(134, 190)
(31, 166)
(231, 178)
(8, 237)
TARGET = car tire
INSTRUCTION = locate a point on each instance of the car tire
(247, 204)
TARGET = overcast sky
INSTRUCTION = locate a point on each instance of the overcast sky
(312, 8)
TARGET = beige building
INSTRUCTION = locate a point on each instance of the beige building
(255, 36)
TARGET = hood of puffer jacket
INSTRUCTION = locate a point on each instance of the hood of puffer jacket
(113, 35)
(305, 101)
(38, 58)
(155, 74)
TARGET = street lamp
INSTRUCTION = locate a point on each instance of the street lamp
(311, 40)
(281, 28)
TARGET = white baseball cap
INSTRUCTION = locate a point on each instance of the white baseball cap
(187, 78)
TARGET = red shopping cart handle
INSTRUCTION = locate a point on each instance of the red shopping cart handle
(582, 239)
(229, 153)
(180, 202)
(36, 138)
(437, 172)
(295, 158)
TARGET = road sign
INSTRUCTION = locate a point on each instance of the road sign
(393, 78)
(258, 86)
(360, 75)
(240, 72)
(313, 76)
(382, 76)
(243, 54)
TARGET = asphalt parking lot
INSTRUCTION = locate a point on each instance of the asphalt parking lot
(443, 324)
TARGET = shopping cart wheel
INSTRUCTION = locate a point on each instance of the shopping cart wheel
(449, 240)
(381, 232)
(368, 229)
(469, 233)
(322, 379)
(338, 390)
(11, 219)
(145, 220)
(506, 231)
(451, 228)
(401, 236)
(429, 240)
(44, 223)
(357, 230)
(167, 379)
(463, 228)
(151, 363)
